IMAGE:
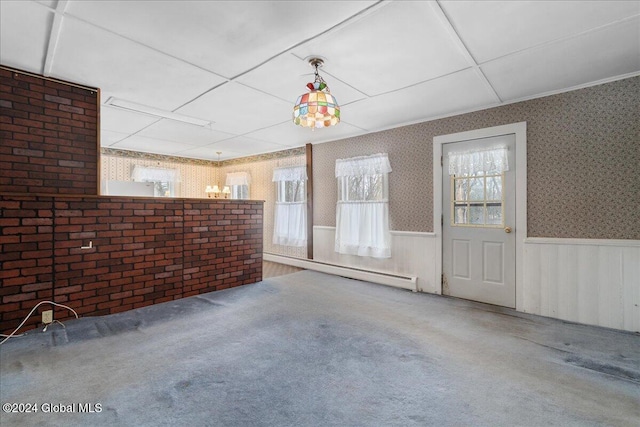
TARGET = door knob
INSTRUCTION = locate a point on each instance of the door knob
(507, 229)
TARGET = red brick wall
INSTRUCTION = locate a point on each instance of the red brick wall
(144, 251)
(48, 136)
(26, 258)
(222, 245)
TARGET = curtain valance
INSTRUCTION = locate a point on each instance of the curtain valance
(366, 165)
(294, 173)
(469, 163)
(142, 173)
(238, 178)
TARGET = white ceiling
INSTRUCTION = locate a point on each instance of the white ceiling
(241, 65)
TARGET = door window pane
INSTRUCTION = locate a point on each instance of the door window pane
(494, 214)
(494, 187)
(476, 201)
(476, 189)
(461, 188)
(476, 214)
(460, 214)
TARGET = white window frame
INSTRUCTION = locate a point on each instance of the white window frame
(239, 192)
(238, 183)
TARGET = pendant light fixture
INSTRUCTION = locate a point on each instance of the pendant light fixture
(318, 108)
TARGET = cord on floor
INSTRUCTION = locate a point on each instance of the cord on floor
(12, 334)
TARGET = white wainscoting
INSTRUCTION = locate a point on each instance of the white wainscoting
(596, 282)
(412, 254)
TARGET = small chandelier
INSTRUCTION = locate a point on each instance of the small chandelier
(318, 108)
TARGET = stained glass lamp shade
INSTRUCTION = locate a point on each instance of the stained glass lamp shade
(318, 108)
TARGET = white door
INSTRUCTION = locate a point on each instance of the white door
(478, 224)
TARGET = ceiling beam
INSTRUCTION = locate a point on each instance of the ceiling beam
(54, 36)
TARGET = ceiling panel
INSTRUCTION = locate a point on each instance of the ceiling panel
(49, 3)
(94, 57)
(209, 152)
(108, 138)
(491, 29)
(171, 130)
(462, 91)
(242, 64)
(151, 145)
(246, 146)
(24, 35)
(117, 120)
(295, 136)
(287, 76)
(225, 37)
(528, 73)
(398, 45)
(235, 108)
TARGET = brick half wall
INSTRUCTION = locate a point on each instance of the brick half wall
(143, 251)
(48, 135)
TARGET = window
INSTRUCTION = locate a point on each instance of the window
(478, 200)
(165, 180)
(477, 180)
(238, 182)
(362, 211)
(290, 216)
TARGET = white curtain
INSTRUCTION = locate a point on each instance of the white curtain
(146, 174)
(365, 165)
(238, 178)
(290, 216)
(468, 163)
(295, 173)
(290, 224)
(362, 226)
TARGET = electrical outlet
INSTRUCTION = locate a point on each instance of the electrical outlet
(47, 316)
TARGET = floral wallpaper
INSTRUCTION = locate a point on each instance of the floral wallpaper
(117, 165)
(583, 156)
(583, 152)
(263, 188)
(195, 175)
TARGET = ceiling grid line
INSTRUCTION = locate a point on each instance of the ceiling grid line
(182, 60)
(457, 39)
(54, 36)
(328, 31)
(561, 39)
(241, 65)
(288, 50)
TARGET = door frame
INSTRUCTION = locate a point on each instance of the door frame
(520, 131)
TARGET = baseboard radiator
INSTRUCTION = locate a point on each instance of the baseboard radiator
(380, 277)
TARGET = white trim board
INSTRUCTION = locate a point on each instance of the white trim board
(405, 282)
(589, 242)
(520, 131)
(393, 232)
